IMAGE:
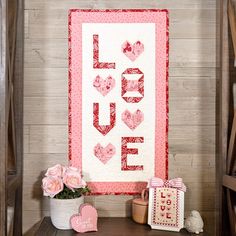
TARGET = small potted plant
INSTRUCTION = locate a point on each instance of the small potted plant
(66, 188)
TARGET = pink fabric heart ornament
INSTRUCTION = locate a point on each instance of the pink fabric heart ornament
(85, 221)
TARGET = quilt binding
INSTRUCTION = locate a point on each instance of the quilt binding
(70, 83)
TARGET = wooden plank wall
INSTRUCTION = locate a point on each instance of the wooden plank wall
(192, 85)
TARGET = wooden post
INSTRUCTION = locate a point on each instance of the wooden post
(224, 116)
(18, 114)
(232, 21)
(3, 121)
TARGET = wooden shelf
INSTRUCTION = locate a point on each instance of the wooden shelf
(115, 226)
(229, 182)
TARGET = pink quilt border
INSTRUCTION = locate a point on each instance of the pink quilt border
(128, 188)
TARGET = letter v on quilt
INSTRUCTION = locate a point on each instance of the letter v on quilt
(118, 97)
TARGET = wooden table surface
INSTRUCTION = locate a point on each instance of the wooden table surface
(109, 227)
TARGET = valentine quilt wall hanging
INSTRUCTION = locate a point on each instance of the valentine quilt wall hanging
(118, 97)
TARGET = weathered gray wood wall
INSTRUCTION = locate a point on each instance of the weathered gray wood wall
(192, 85)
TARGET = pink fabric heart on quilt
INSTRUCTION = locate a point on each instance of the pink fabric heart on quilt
(85, 221)
(132, 51)
(104, 86)
(132, 120)
(104, 154)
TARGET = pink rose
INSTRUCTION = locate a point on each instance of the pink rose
(52, 185)
(56, 171)
(72, 178)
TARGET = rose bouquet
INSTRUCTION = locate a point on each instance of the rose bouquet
(63, 182)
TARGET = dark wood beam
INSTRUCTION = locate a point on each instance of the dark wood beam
(18, 113)
(229, 182)
(224, 101)
(232, 23)
(13, 182)
(3, 121)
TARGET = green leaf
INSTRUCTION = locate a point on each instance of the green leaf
(67, 193)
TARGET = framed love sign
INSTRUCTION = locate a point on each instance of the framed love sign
(166, 204)
(118, 97)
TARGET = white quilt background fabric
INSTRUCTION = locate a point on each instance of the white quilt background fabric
(110, 51)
